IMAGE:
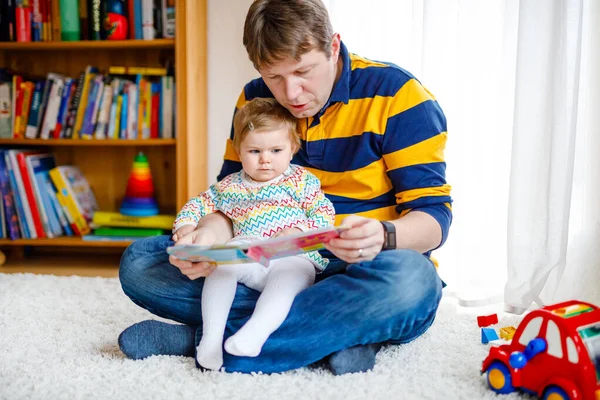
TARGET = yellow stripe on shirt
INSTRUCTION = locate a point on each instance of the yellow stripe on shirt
(414, 194)
(357, 184)
(425, 152)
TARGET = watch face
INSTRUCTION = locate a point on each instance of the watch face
(389, 232)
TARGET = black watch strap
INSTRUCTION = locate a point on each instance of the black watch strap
(389, 235)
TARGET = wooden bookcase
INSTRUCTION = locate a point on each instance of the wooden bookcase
(178, 165)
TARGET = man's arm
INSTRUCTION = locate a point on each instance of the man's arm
(418, 231)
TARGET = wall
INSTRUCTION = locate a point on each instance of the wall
(228, 71)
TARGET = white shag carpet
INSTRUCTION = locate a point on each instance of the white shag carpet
(58, 340)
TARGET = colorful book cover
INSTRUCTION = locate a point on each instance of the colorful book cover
(115, 219)
(90, 74)
(20, 207)
(61, 116)
(31, 198)
(19, 188)
(74, 106)
(31, 131)
(39, 166)
(75, 193)
(65, 219)
(260, 251)
(10, 211)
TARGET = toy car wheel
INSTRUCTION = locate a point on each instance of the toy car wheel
(555, 393)
(499, 378)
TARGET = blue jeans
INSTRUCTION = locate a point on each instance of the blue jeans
(393, 298)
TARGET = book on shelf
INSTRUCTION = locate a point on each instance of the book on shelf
(41, 199)
(74, 193)
(115, 219)
(93, 106)
(260, 251)
(42, 20)
(121, 234)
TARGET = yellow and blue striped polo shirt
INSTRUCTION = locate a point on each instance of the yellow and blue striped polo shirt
(377, 145)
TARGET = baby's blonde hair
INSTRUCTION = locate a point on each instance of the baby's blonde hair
(263, 114)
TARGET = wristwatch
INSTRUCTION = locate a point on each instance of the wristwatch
(389, 235)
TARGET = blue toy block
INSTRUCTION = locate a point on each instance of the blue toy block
(488, 334)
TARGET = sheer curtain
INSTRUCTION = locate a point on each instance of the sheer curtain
(516, 81)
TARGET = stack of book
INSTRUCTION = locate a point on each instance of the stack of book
(114, 226)
(124, 103)
(40, 199)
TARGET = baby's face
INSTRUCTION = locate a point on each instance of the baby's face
(266, 154)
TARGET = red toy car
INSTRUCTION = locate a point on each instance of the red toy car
(554, 354)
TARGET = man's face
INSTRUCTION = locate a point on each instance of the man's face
(303, 87)
(266, 154)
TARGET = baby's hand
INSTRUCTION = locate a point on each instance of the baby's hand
(288, 231)
(181, 232)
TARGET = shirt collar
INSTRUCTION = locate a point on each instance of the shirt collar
(341, 89)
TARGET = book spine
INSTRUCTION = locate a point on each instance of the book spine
(31, 130)
(167, 107)
(18, 108)
(37, 21)
(38, 199)
(21, 218)
(36, 214)
(147, 19)
(52, 110)
(62, 110)
(83, 101)
(12, 220)
(23, 17)
(20, 190)
(103, 117)
(137, 19)
(168, 20)
(5, 111)
(69, 20)
(55, 21)
(28, 88)
(95, 20)
(71, 118)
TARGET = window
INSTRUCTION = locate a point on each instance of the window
(531, 331)
(572, 351)
(553, 338)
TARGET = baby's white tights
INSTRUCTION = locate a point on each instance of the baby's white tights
(279, 284)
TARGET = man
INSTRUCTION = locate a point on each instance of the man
(375, 138)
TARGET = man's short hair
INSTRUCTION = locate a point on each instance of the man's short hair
(278, 29)
(264, 114)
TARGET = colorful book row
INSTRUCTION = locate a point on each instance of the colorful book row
(71, 20)
(94, 106)
(40, 199)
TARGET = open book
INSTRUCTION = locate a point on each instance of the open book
(260, 251)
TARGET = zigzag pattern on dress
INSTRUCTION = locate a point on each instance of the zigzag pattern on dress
(294, 200)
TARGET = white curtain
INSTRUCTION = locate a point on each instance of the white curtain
(518, 81)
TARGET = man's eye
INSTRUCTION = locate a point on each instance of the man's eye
(274, 77)
(304, 72)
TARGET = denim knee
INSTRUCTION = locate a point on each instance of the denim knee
(412, 279)
(140, 256)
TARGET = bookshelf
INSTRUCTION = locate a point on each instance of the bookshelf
(177, 165)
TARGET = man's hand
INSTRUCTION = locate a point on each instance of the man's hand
(288, 231)
(362, 242)
(189, 235)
